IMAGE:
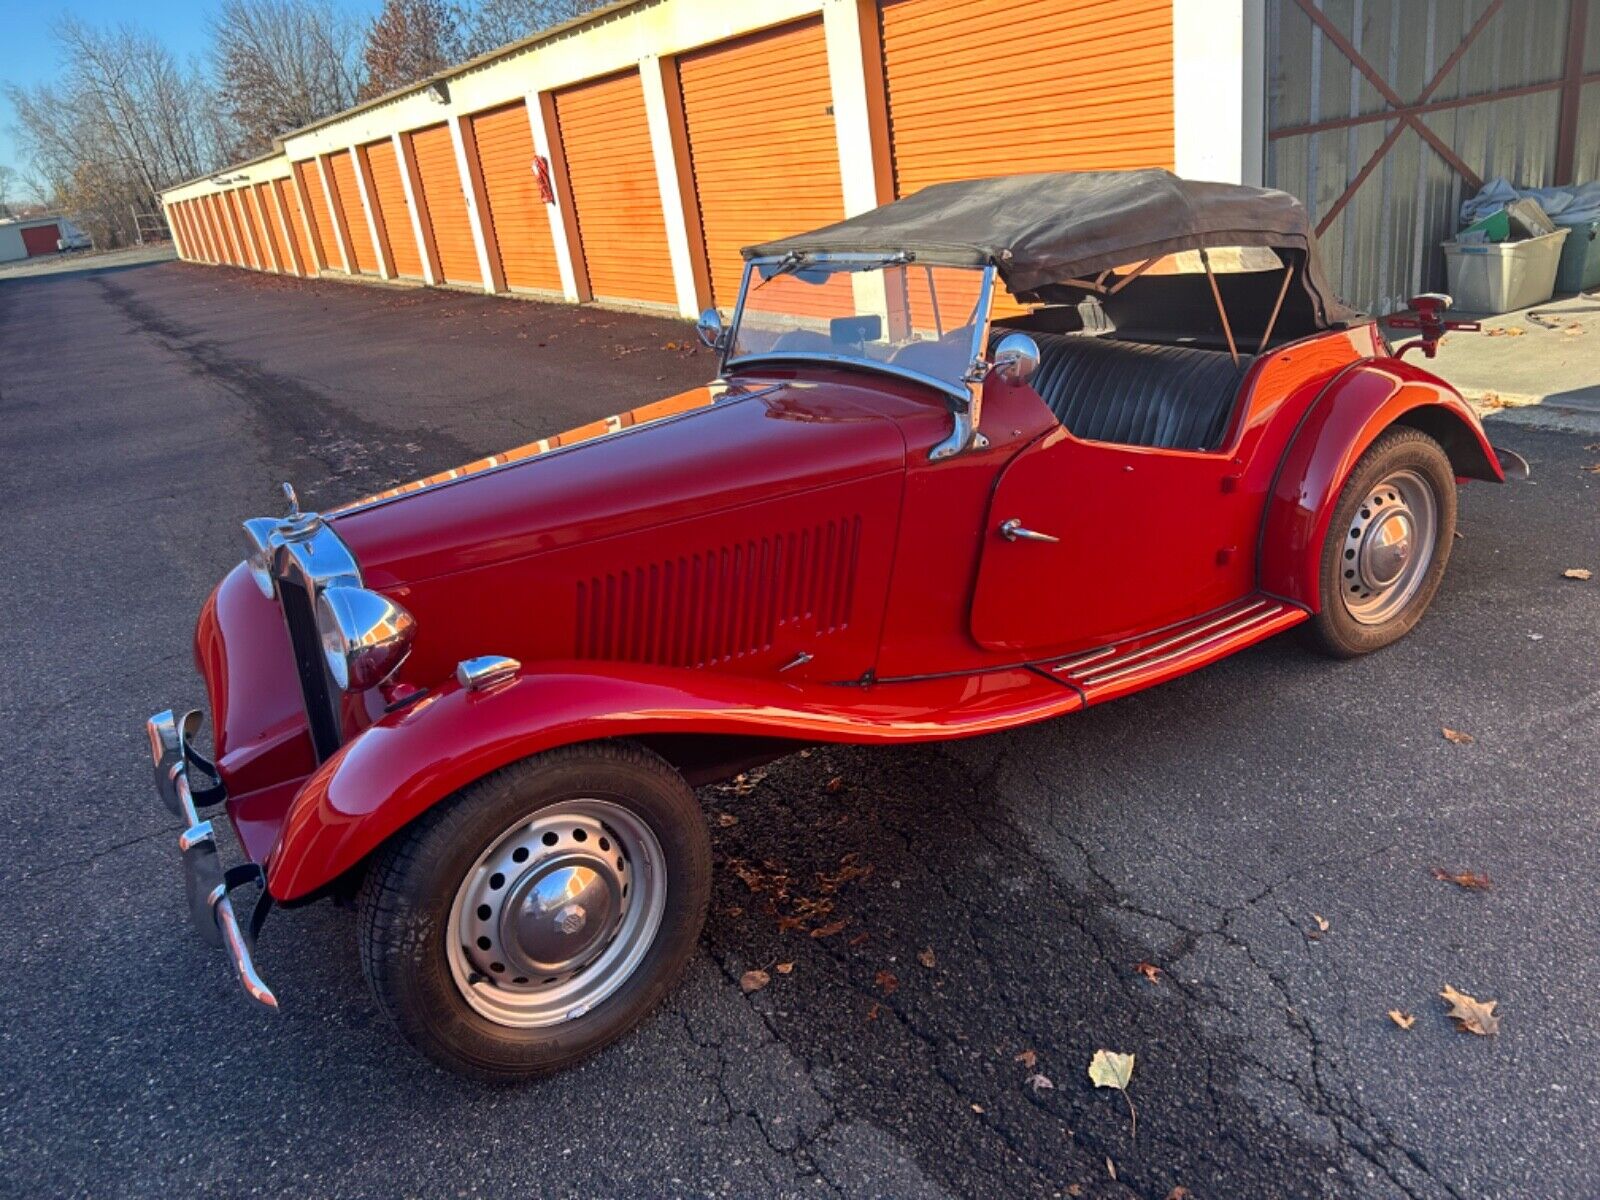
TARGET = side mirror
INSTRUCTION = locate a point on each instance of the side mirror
(1016, 358)
(710, 330)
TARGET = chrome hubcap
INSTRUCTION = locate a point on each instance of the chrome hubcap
(1388, 547)
(557, 913)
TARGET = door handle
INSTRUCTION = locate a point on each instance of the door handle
(1013, 531)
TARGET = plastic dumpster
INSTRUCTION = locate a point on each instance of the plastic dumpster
(1579, 269)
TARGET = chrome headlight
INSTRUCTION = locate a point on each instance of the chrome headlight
(365, 636)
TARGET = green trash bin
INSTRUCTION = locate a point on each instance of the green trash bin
(1579, 269)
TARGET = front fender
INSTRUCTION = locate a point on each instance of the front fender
(409, 761)
(1346, 418)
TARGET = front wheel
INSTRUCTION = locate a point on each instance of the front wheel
(1386, 550)
(539, 913)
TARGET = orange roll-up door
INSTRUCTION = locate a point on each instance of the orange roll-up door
(321, 218)
(290, 196)
(196, 238)
(261, 220)
(759, 111)
(224, 228)
(241, 230)
(202, 208)
(347, 195)
(181, 237)
(615, 193)
(447, 204)
(269, 217)
(521, 224)
(390, 195)
(1079, 87)
(252, 228)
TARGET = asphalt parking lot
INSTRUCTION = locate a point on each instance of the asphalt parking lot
(1264, 833)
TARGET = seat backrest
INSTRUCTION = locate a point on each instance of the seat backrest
(1174, 397)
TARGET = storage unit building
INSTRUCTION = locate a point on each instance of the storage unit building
(522, 234)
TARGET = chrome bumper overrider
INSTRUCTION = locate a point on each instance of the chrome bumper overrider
(205, 882)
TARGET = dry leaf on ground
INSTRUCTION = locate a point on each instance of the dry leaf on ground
(1178, 1193)
(784, 968)
(1572, 330)
(1040, 1083)
(754, 981)
(1456, 737)
(1403, 1019)
(1322, 926)
(1149, 970)
(1028, 1058)
(1111, 1167)
(727, 820)
(886, 981)
(1471, 880)
(1109, 1069)
(1577, 573)
(831, 928)
(834, 785)
(1471, 1015)
(860, 939)
(872, 1013)
(926, 958)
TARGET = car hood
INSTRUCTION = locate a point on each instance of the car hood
(710, 448)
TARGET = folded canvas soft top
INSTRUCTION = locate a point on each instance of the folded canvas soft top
(1040, 231)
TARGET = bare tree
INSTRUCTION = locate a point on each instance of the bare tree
(122, 122)
(281, 64)
(410, 40)
(9, 180)
(491, 24)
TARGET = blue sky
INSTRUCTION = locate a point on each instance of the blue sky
(28, 52)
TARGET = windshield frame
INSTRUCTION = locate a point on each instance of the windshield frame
(962, 393)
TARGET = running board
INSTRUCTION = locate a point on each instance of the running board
(1151, 658)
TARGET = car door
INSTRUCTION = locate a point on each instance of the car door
(1129, 539)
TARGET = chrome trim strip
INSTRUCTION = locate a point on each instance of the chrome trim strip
(1108, 666)
(1122, 672)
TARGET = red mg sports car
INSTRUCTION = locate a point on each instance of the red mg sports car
(984, 456)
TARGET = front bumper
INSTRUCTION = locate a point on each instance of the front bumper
(206, 884)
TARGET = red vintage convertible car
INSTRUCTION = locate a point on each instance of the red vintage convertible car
(912, 505)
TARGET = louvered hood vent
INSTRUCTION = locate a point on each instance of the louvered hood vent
(726, 603)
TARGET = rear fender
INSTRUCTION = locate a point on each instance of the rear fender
(1358, 405)
(400, 767)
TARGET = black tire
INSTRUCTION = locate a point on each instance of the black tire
(1397, 450)
(407, 897)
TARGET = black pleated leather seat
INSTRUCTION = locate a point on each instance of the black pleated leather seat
(1175, 397)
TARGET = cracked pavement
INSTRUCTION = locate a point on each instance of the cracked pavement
(1206, 827)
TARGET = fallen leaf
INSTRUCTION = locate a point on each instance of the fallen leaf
(1040, 1083)
(784, 968)
(1111, 1167)
(978, 1108)
(796, 924)
(1178, 1193)
(1109, 1069)
(1028, 1058)
(727, 820)
(1074, 1189)
(887, 982)
(1402, 1019)
(735, 912)
(1456, 737)
(1322, 926)
(1149, 970)
(1470, 1015)
(834, 785)
(1572, 330)
(1471, 880)
(860, 939)
(1594, 470)
(828, 930)
(754, 981)
(925, 957)
(872, 1013)
(1577, 573)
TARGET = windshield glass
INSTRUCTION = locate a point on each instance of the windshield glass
(875, 312)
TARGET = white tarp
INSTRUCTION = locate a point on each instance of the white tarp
(1576, 205)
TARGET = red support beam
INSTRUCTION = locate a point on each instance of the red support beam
(1572, 82)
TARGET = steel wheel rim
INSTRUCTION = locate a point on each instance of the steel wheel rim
(556, 914)
(1388, 547)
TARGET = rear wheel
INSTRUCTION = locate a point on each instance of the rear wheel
(540, 912)
(1388, 544)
